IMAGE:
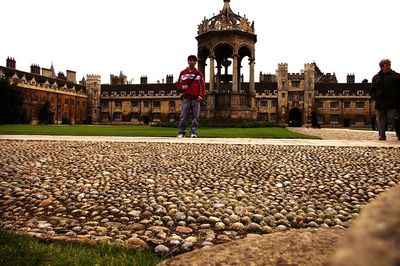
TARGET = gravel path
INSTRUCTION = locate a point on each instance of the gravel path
(176, 197)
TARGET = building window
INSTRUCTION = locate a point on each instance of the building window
(290, 97)
(263, 104)
(273, 117)
(123, 93)
(360, 105)
(171, 104)
(156, 116)
(334, 119)
(320, 119)
(104, 104)
(146, 104)
(118, 104)
(162, 93)
(135, 103)
(334, 105)
(113, 93)
(156, 104)
(131, 93)
(331, 92)
(134, 116)
(360, 93)
(296, 83)
(66, 101)
(359, 119)
(151, 93)
(141, 93)
(273, 103)
(105, 117)
(117, 116)
(172, 117)
(346, 92)
(263, 116)
(346, 105)
(320, 105)
(301, 97)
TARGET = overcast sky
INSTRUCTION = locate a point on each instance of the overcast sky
(154, 38)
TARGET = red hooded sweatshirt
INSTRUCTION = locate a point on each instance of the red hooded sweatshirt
(197, 87)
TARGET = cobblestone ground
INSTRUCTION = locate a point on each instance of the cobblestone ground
(343, 134)
(178, 197)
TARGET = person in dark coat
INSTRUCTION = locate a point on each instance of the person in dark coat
(385, 90)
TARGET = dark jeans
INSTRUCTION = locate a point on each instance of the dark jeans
(386, 117)
(189, 107)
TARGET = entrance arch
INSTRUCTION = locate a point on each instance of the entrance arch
(295, 117)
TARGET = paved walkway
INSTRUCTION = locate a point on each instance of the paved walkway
(391, 142)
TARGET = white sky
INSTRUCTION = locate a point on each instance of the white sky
(154, 38)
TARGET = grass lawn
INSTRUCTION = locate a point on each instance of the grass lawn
(23, 250)
(148, 131)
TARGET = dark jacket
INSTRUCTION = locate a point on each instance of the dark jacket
(385, 90)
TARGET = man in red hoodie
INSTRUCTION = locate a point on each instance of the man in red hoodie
(191, 84)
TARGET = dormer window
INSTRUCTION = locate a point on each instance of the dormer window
(113, 93)
(360, 93)
(141, 93)
(162, 92)
(33, 81)
(132, 93)
(346, 92)
(150, 93)
(15, 76)
(123, 93)
(331, 92)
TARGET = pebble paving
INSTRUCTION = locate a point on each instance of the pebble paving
(176, 197)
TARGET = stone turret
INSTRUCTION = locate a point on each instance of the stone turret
(282, 82)
(309, 92)
(93, 87)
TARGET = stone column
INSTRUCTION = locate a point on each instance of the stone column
(212, 74)
(235, 74)
(251, 84)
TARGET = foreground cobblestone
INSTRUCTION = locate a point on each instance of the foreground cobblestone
(178, 197)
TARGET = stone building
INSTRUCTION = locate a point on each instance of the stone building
(68, 100)
(225, 42)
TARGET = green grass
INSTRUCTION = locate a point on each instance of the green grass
(148, 131)
(17, 249)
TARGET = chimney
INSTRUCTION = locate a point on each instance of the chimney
(46, 72)
(350, 78)
(35, 69)
(11, 63)
(170, 79)
(143, 80)
(71, 76)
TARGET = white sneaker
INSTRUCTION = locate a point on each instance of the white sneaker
(193, 136)
(181, 136)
